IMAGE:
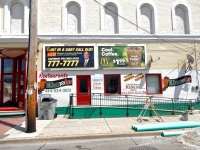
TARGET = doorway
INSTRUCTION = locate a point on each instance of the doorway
(83, 90)
(13, 75)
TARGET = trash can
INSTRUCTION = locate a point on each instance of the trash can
(40, 109)
(49, 106)
(185, 115)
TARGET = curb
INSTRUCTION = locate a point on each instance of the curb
(64, 138)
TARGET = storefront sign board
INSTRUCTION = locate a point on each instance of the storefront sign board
(131, 84)
(133, 56)
(67, 57)
(97, 84)
(58, 84)
(180, 80)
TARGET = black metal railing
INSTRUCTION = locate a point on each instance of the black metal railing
(134, 102)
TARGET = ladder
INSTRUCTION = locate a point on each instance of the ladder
(143, 112)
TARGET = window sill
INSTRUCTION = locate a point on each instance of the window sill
(154, 93)
(109, 94)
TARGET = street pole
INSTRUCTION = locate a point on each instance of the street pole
(31, 68)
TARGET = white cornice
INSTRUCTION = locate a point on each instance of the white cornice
(117, 38)
(103, 38)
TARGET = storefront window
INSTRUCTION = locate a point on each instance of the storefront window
(112, 84)
(7, 87)
(8, 66)
(154, 83)
(22, 64)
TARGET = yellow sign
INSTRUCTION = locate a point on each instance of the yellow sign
(104, 62)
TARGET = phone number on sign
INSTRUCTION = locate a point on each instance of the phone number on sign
(57, 90)
(64, 63)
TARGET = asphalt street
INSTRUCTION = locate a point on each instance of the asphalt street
(126, 143)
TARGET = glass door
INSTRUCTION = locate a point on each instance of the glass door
(7, 88)
(13, 79)
(7, 82)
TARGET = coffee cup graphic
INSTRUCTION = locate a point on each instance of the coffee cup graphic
(134, 56)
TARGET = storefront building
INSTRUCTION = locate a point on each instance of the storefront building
(135, 47)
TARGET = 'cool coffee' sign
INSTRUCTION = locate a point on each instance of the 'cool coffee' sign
(179, 81)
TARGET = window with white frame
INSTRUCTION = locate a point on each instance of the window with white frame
(16, 18)
(16, 15)
(147, 19)
(181, 19)
(111, 19)
(181, 15)
(153, 83)
(73, 18)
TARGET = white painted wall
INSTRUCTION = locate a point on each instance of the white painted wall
(52, 16)
(182, 91)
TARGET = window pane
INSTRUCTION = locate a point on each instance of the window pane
(8, 65)
(83, 85)
(22, 65)
(7, 87)
(21, 84)
(73, 19)
(16, 88)
(153, 84)
(110, 19)
(16, 18)
(112, 84)
(17, 66)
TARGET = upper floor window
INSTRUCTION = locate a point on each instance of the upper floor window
(181, 19)
(73, 18)
(147, 19)
(111, 19)
(16, 17)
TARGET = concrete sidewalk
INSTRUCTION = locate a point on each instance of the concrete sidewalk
(62, 128)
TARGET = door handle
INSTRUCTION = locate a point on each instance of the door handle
(88, 90)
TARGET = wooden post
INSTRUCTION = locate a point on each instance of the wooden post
(31, 69)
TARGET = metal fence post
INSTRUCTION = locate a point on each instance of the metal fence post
(150, 107)
(71, 104)
(173, 106)
(127, 114)
(100, 106)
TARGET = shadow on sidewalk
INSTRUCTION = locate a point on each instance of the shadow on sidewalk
(17, 127)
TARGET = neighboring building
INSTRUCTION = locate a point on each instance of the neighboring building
(162, 39)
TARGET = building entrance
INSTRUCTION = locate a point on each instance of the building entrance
(83, 90)
(13, 83)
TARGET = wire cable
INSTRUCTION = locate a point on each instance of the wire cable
(153, 35)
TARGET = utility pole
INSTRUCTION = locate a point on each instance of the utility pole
(31, 68)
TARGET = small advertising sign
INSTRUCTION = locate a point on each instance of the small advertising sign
(180, 80)
(122, 56)
(97, 84)
(131, 84)
(68, 57)
(57, 84)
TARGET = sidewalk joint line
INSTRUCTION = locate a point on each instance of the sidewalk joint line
(108, 125)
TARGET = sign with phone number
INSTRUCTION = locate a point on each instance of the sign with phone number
(66, 56)
(57, 90)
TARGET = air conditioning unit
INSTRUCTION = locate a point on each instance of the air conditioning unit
(195, 88)
(198, 99)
